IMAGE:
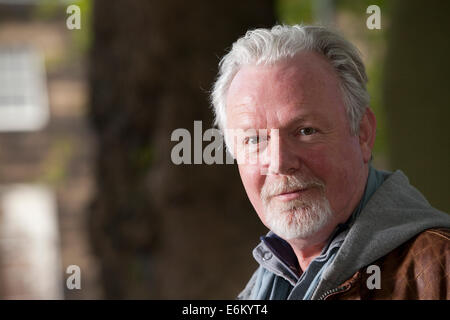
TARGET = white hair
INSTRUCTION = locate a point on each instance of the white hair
(267, 46)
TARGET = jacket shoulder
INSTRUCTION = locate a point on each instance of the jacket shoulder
(437, 234)
(418, 269)
(430, 250)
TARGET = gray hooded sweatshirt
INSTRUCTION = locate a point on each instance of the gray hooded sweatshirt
(395, 213)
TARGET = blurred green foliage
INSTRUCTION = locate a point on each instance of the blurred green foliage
(357, 6)
(56, 165)
(47, 10)
(83, 37)
(294, 11)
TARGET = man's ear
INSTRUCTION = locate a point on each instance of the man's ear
(367, 128)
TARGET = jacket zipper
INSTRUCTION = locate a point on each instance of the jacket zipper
(334, 291)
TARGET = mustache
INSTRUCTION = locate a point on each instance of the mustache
(289, 184)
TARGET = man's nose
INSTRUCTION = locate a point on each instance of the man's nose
(282, 157)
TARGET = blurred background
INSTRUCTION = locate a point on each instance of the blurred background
(86, 117)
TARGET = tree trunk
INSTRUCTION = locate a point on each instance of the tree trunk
(161, 230)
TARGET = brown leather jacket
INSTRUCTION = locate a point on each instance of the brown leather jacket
(418, 269)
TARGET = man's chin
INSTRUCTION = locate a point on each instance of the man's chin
(288, 231)
(297, 223)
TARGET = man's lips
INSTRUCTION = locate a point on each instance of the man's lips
(291, 195)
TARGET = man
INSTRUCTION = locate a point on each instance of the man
(340, 229)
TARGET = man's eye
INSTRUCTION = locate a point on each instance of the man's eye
(307, 131)
(252, 140)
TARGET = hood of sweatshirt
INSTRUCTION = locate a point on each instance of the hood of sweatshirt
(395, 213)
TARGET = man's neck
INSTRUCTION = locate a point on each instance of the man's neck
(308, 249)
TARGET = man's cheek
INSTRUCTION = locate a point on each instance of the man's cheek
(320, 164)
(251, 174)
(253, 182)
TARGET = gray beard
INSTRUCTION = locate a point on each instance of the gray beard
(298, 218)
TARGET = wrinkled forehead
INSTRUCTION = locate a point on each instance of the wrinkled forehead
(305, 84)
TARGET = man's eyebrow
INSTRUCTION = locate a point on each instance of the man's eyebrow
(248, 125)
(299, 119)
(294, 121)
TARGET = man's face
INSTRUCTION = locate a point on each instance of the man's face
(311, 170)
